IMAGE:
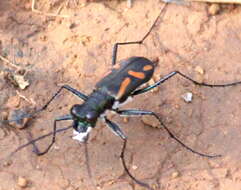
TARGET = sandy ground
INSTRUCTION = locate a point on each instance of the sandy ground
(77, 51)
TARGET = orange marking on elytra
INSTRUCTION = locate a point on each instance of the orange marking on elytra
(123, 87)
(138, 75)
(147, 67)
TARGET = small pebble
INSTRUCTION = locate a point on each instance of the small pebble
(150, 121)
(214, 9)
(199, 70)
(72, 25)
(125, 119)
(16, 115)
(22, 182)
(20, 81)
(177, 106)
(56, 147)
(134, 167)
(175, 175)
(187, 97)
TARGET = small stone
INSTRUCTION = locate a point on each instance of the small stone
(175, 175)
(21, 82)
(19, 122)
(56, 147)
(214, 9)
(125, 119)
(199, 70)
(22, 182)
(150, 121)
(72, 25)
(187, 97)
(134, 167)
(177, 106)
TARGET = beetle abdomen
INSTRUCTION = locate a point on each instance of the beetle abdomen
(121, 82)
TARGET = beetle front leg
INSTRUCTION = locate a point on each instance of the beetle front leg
(115, 128)
(67, 87)
(62, 118)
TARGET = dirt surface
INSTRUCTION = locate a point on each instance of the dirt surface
(76, 50)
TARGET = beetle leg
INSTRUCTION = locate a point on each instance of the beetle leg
(143, 112)
(115, 128)
(67, 87)
(62, 118)
(165, 78)
(115, 48)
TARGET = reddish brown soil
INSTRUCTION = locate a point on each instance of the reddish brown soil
(77, 51)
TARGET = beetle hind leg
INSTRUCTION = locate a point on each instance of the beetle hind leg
(172, 74)
(143, 112)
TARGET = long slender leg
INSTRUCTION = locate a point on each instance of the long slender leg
(122, 156)
(117, 131)
(115, 128)
(62, 118)
(170, 75)
(143, 112)
(115, 48)
(67, 87)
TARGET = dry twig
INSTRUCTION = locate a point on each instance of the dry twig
(48, 14)
(9, 62)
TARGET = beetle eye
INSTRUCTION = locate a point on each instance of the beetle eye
(91, 115)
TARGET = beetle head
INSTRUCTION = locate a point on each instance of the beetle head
(84, 120)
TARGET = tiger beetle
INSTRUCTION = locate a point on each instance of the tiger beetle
(109, 93)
